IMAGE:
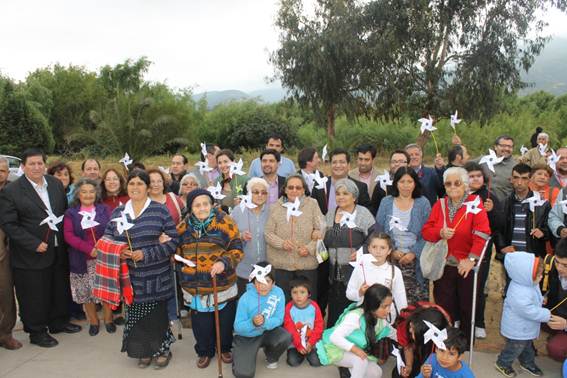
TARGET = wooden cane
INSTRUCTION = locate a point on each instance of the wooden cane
(217, 326)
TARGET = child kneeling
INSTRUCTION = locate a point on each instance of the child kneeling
(447, 363)
(303, 320)
(258, 324)
(350, 342)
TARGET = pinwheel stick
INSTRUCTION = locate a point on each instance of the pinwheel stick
(435, 141)
(93, 234)
(46, 238)
(559, 304)
(533, 218)
(460, 220)
(130, 245)
(291, 222)
(363, 272)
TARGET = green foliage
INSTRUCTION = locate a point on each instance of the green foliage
(127, 77)
(21, 124)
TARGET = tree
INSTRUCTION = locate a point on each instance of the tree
(127, 77)
(321, 58)
(21, 124)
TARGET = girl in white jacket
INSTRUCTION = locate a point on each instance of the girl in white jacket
(381, 271)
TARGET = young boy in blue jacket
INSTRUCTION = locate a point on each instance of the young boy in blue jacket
(522, 313)
(258, 323)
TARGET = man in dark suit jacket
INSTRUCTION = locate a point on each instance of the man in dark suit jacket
(269, 161)
(38, 257)
(431, 179)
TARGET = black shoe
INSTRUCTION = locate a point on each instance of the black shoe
(532, 369)
(505, 371)
(110, 327)
(119, 320)
(67, 328)
(344, 372)
(93, 330)
(43, 340)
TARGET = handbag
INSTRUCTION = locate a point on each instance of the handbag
(434, 255)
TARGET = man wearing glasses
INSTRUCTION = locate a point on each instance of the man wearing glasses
(500, 183)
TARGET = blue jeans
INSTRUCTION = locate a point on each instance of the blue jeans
(523, 350)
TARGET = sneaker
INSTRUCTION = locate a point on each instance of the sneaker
(480, 333)
(271, 365)
(533, 370)
(507, 372)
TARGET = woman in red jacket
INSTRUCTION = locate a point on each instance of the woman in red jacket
(465, 235)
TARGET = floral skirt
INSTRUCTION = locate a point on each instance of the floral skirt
(147, 332)
(414, 291)
(82, 285)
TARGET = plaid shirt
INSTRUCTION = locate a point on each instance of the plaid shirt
(112, 275)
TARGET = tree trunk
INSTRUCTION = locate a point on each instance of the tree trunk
(331, 122)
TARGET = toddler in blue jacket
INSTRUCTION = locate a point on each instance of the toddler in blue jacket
(522, 313)
(258, 323)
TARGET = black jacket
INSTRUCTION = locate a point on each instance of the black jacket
(504, 236)
(552, 291)
(21, 212)
(323, 199)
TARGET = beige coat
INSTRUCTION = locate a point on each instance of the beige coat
(278, 229)
(533, 157)
(373, 174)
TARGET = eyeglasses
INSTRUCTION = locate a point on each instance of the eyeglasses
(510, 146)
(455, 184)
(260, 193)
(399, 161)
(294, 187)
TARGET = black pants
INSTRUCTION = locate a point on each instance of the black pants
(274, 342)
(43, 296)
(203, 324)
(337, 302)
(482, 278)
(294, 358)
(323, 286)
(284, 277)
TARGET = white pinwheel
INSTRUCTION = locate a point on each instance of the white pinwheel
(88, 219)
(203, 166)
(126, 160)
(260, 273)
(51, 220)
(324, 153)
(216, 191)
(399, 360)
(542, 148)
(122, 223)
(523, 150)
(164, 169)
(384, 180)
(491, 159)
(347, 219)
(436, 335)
(552, 160)
(189, 263)
(246, 202)
(292, 208)
(396, 224)
(426, 124)
(563, 206)
(362, 258)
(236, 168)
(320, 180)
(455, 120)
(534, 201)
(204, 150)
(472, 207)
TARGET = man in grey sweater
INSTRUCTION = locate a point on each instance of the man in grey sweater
(500, 184)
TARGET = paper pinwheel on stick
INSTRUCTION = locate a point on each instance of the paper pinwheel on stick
(204, 150)
(320, 181)
(427, 125)
(361, 260)
(523, 150)
(436, 335)
(552, 160)
(126, 161)
(216, 191)
(122, 226)
(324, 153)
(52, 221)
(455, 121)
(260, 273)
(293, 209)
(384, 180)
(491, 160)
(542, 148)
(164, 170)
(534, 201)
(347, 219)
(236, 169)
(396, 224)
(400, 364)
(88, 221)
(203, 167)
(471, 207)
(246, 203)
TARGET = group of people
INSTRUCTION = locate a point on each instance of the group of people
(322, 268)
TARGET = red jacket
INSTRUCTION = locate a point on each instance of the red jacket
(470, 234)
(313, 335)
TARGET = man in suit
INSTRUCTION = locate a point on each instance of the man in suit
(308, 160)
(365, 171)
(340, 160)
(7, 302)
(38, 257)
(270, 160)
(430, 178)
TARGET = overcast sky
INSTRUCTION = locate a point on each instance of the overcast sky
(206, 44)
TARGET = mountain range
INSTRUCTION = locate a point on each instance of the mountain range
(548, 73)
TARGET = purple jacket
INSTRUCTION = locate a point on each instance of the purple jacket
(80, 241)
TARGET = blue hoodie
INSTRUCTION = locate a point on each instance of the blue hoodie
(272, 306)
(523, 311)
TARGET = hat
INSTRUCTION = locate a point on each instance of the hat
(196, 193)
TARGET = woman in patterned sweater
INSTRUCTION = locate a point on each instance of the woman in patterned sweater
(210, 239)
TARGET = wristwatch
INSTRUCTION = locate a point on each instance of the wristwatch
(473, 259)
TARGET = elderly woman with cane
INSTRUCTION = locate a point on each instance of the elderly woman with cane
(465, 228)
(211, 248)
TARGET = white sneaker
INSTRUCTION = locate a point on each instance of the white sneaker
(480, 333)
(457, 324)
(271, 365)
